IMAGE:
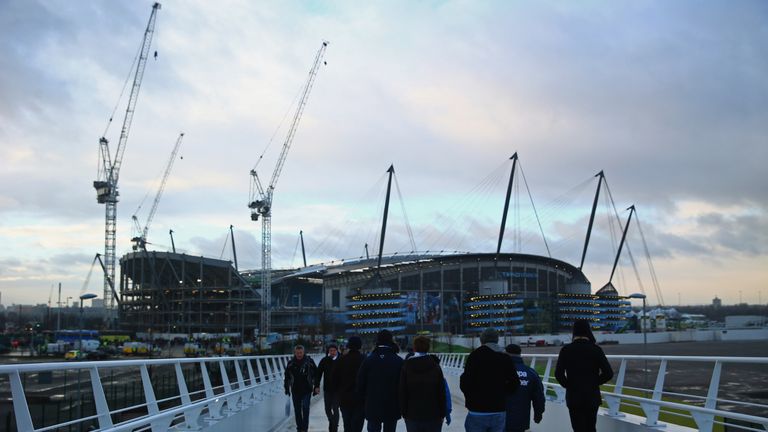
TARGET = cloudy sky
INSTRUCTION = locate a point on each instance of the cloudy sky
(669, 98)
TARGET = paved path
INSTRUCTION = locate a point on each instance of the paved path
(319, 423)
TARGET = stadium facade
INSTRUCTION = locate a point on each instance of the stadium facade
(460, 293)
(456, 293)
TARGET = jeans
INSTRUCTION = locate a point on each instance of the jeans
(354, 417)
(424, 425)
(331, 400)
(485, 423)
(382, 426)
(301, 409)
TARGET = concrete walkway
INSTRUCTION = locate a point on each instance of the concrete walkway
(319, 423)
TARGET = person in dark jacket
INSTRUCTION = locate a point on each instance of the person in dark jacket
(330, 395)
(422, 390)
(344, 380)
(299, 384)
(489, 376)
(582, 368)
(377, 383)
(530, 392)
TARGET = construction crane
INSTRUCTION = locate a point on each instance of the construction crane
(260, 201)
(140, 241)
(109, 166)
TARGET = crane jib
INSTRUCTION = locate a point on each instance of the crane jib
(260, 201)
(109, 167)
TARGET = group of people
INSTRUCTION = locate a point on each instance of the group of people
(499, 389)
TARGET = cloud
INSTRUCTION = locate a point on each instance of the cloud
(669, 99)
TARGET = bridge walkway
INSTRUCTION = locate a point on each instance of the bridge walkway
(225, 394)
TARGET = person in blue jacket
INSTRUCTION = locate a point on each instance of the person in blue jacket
(530, 392)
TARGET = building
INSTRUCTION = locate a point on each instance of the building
(184, 295)
(456, 293)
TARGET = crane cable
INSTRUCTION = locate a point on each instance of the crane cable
(117, 104)
(538, 220)
(626, 243)
(654, 278)
(405, 215)
(88, 277)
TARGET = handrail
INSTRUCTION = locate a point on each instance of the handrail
(261, 377)
(703, 416)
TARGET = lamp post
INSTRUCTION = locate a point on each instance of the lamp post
(87, 296)
(645, 336)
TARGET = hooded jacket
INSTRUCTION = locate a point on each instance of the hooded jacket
(422, 390)
(582, 368)
(377, 382)
(489, 376)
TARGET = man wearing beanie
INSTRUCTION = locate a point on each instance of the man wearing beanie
(582, 368)
(489, 376)
(378, 381)
(327, 367)
(344, 380)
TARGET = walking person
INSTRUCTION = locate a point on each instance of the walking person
(378, 381)
(489, 376)
(327, 368)
(530, 392)
(582, 368)
(344, 380)
(299, 384)
(422, 390)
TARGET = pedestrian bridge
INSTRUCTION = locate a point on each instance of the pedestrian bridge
(246, 393)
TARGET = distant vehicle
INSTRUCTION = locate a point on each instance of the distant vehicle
(97, 355)
(58, 348)
(193, 349)
(72, 355)
(247, 348)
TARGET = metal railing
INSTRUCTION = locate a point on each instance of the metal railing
(254, 379)
(228, 385)
(703, 411)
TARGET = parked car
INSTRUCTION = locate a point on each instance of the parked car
(72, 355)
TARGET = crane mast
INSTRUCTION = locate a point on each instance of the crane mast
(260, 201)
(109, 168)
(140, 242)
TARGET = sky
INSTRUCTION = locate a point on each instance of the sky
(670, 99)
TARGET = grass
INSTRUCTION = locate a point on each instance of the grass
(669, 415)
(442, 347)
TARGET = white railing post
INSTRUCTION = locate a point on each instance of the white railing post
(20, 407)
(231, 400)
(705, 421)
(652, 410)
(214, 408)
(100, 400)
(546, 379)
(191, 416)
(263, 378)
(271, 364)
(149, 395)
(614, 401)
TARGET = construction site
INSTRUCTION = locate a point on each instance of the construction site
(172, 295)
